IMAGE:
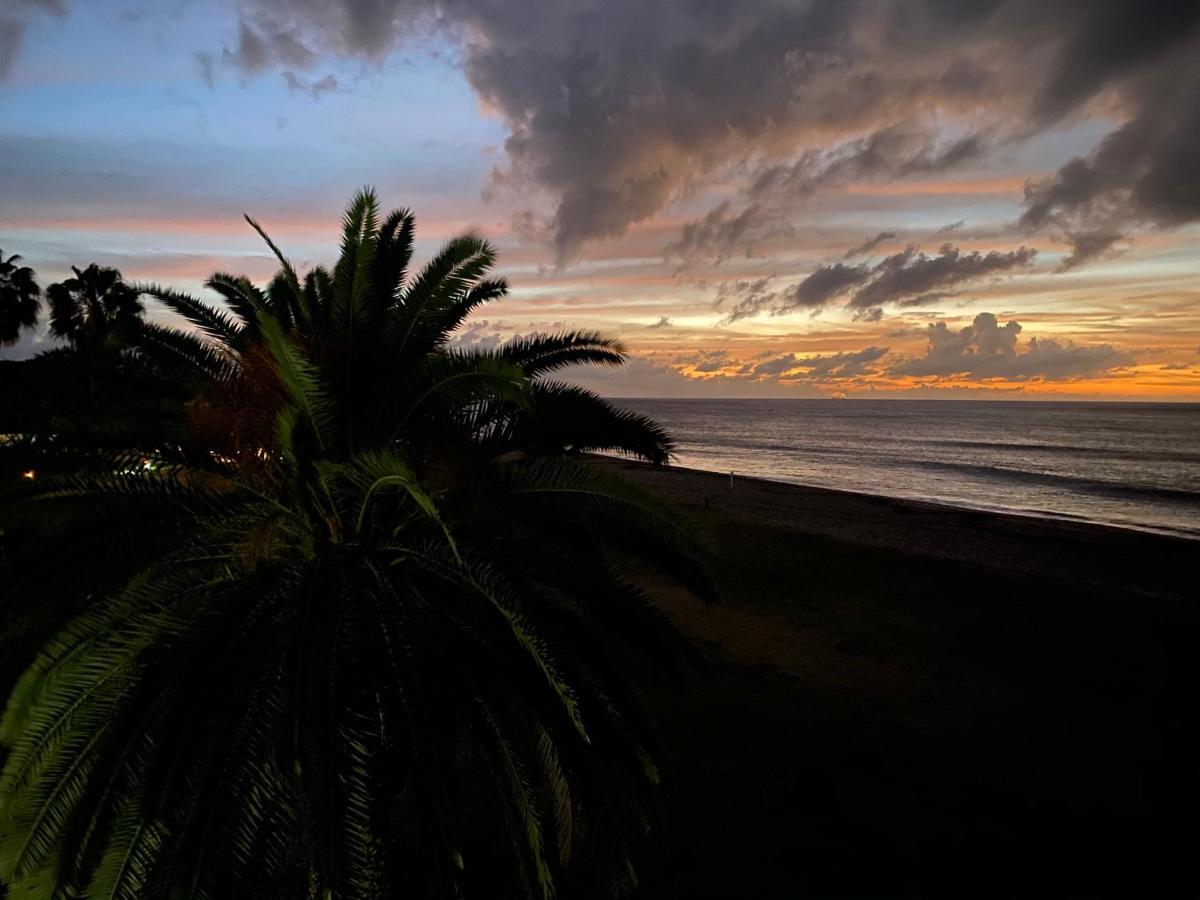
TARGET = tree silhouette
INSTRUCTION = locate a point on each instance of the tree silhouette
(18, 299)
(96, 312)
(357, 639)
(89, 308)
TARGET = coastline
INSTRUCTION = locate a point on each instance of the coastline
(1123, 466)
(1144, 560)
(907, 699)
(951, 505)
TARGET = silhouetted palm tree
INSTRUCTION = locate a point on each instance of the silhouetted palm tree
(96, 312)
(356, 639)
(92, 306)
(18, 299)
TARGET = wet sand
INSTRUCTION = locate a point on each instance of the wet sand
(910, 700)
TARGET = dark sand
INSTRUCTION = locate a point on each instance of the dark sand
(909, 700)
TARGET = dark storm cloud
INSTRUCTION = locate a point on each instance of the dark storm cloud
(911, 274)
(985, 349)
(826, 283)
(1109, 41)
(907, 278)
(1144, 172)
(615, 108)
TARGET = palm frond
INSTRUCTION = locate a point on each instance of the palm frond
(211, 321)
(243, 297)
(301, 378)
(541, 353)
(355, 265)
(565, 417)
(393, 256)
(289, 272)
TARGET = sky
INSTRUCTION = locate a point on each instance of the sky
(761, 198)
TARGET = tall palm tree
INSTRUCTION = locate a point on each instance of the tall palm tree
(96, 312)
(18, 299)
(90, 307)
(358, 638)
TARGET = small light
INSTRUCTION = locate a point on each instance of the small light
(30, 474)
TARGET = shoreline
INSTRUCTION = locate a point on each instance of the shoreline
(950, 505)
(1141, 561)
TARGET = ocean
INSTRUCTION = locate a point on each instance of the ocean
(1133, 465)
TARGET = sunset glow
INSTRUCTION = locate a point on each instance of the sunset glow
(690, 236)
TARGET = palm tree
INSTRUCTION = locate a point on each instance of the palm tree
(18, 299)
(358, 640)
(96, 312)
(92, 306)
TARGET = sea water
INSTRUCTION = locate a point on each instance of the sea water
(1135, 465)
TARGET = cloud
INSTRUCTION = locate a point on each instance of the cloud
(910, 273)
(720, 233)
(663, 322)
(639, 377)
(204, 65)
(844, 365)
(259, 48)
(708, 361)
(14, 19)
(615, 109)
(813, 293)
(986, 350)
(751, 296)
(328, 84)
(892, 151)
(12, 32)
(870, 244)
(774, 190)
(1087, 245)
(907, 278)
(826, 283)
(778, 365)
(821, 367)
(1144, 172)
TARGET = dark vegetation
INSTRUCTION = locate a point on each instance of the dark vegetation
(326, 603)
(351, 614)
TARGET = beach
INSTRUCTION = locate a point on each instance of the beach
(914, 700)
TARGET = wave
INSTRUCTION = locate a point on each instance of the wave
(713, 439)
(1072, 450)
(1072, 482)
